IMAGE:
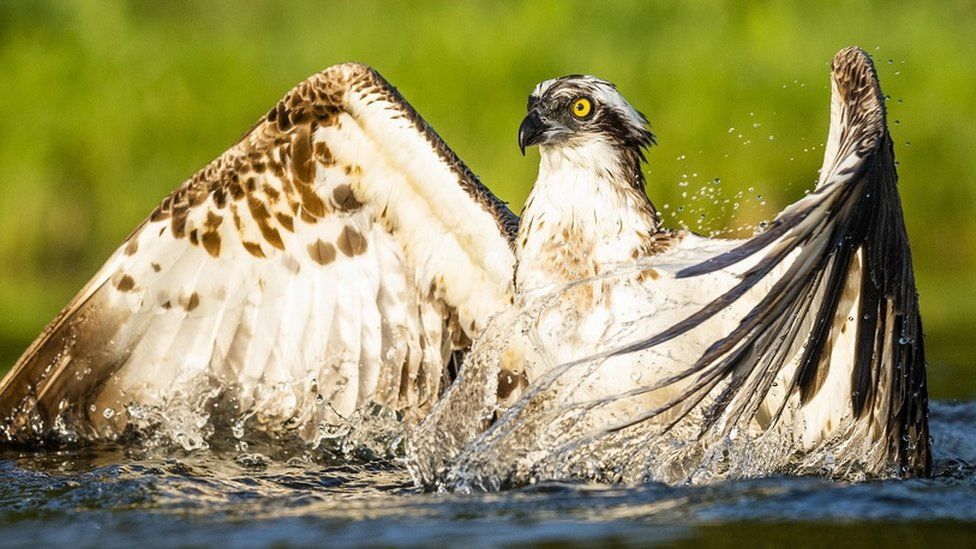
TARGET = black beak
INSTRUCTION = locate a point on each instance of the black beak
(531, 131)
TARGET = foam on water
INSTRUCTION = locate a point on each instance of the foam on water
(112, 495)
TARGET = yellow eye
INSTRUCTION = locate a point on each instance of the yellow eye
(582, 107)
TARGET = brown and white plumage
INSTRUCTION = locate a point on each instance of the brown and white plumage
(340, 253)
(643, 353)
(336, 255)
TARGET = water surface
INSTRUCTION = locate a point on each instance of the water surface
(115, 496)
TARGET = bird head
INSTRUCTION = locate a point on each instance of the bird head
(577, 110)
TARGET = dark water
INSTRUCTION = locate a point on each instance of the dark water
(112, 496)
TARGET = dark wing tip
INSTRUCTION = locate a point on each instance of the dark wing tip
(853, 69)
(856, 86)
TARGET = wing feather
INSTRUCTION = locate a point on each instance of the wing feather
(837, 260)
(335, 256)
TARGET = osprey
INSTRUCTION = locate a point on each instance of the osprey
(341, 255)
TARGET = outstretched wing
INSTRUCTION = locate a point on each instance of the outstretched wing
(336, 255)
(832, 305)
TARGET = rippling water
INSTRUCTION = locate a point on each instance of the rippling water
(111, 495)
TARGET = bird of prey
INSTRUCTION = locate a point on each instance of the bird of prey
(341, 255)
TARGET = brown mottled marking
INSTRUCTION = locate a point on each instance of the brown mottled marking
(311, 202)
(219, 198)
(648, 273)
(286, 221)
(236, 216)
(299, 116)
(155, 267)
(270, 192)
(254, 249)
(125, 283)
(196, 197)
(235, 190)
(323, 154)
(351, 242)
(213, 221)
(194, 237)
(322, 253)
(210, 238)
(132, 247)
(179, 223)
(509, 381)
(344, 198)
(168, 304)
(193, 302)
(276, 168)
(211, 243)
(306, 217)
(301, 155)
(281, 117)
(260, 214)
(659, 242)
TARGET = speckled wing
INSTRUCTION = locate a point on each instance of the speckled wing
(830, 326)
(337, 255)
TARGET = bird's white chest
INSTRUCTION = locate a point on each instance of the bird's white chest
(578, 222)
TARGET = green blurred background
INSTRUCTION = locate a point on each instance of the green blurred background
(105, 107)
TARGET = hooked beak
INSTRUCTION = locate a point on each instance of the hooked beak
(531, 131)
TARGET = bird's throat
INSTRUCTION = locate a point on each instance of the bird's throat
(586, 212)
